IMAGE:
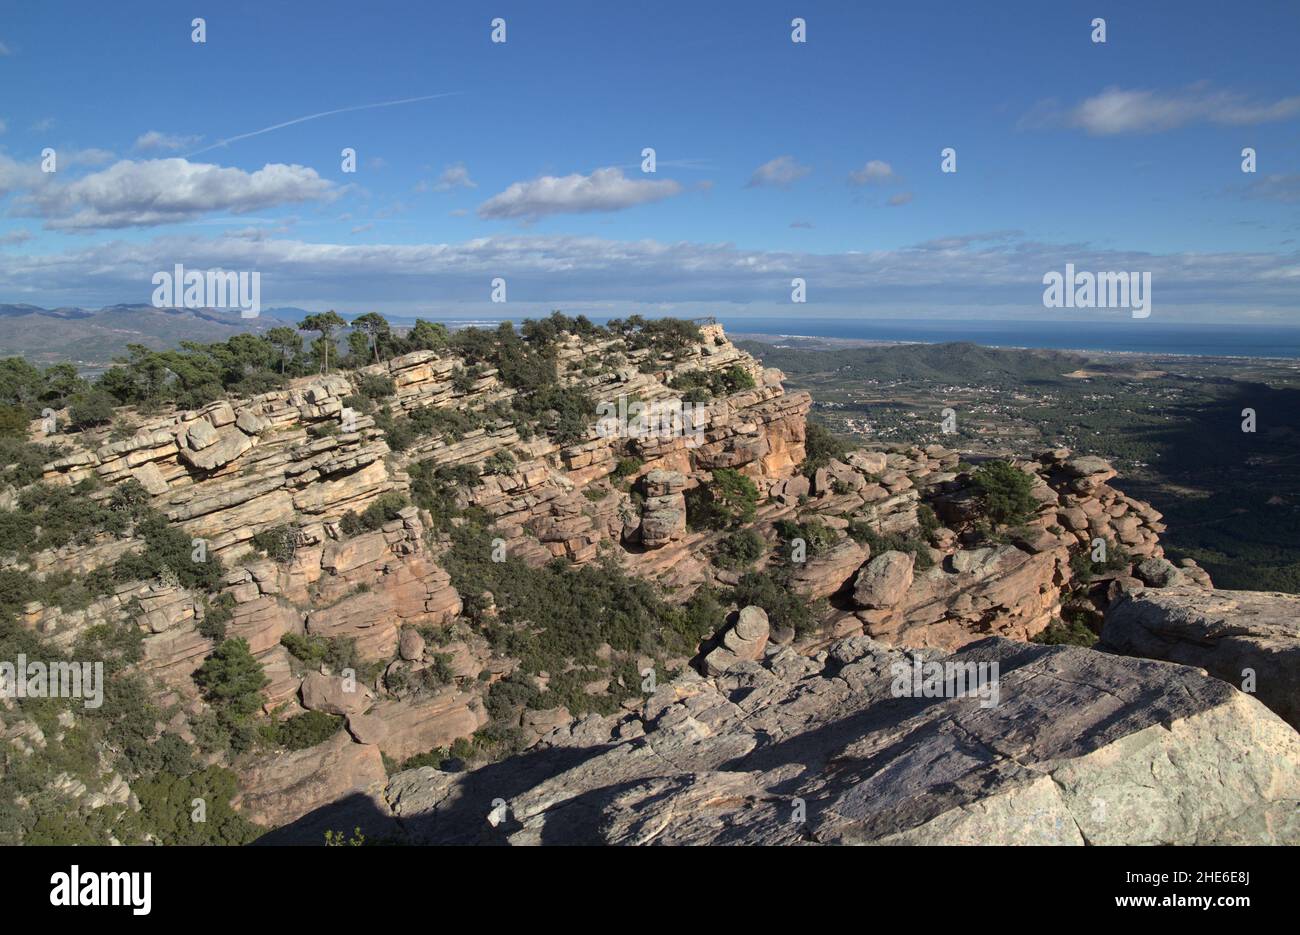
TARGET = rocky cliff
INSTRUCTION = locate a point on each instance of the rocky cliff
(1080, 748)
(891, 548)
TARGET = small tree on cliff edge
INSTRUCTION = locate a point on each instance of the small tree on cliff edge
(324, 323)
(1005, 491)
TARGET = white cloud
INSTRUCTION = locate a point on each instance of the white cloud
(901, 198)
(15, 175)
(4, 50)
(166, 191)
(15, 237)
(155, 141)
(603, 190)
(45, 123)
(874, 172)
(453, 176)
(781, 172)
(3, 126)
(1117, 110)
(982, 275)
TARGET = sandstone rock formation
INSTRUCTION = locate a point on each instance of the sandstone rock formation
(825, 751)
(1246, 638)
(774, 716)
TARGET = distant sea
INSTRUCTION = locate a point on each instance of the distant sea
(1136, 335)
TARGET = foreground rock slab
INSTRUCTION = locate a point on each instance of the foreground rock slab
(1081, 747)
(1227, 633)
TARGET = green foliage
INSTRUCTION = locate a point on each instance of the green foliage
(1004, 490)
(90, 409)
(304, 730)
(383, 509)
(1060, 633)
(375, 386)
(426, 336)
(739, 549)
(325, 324)
(231, 680)
(663, 336)
(278, 542)
(22, 463)
(771, 592)
(501, 462)
(168, 548)
(167, 809)
(913, 543)
(216, 615)
(434, 488)
(821, 446)
(703, 385)
(817, 536)
(626, 467)
(729, 500)
(556, 617)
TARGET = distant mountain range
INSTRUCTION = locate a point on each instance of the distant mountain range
(91, 338)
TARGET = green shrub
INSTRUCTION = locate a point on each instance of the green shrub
(784, 607)
(306, 730)
(821, 446)
(90, 409)
(231, 680)
(729, 500)
(278, 543)
(1004, 491)
(739, 549)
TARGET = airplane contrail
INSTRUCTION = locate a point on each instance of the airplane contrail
(327, 113)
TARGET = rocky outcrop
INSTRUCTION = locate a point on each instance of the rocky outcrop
(774, 718)
(744, 641)
(830, 751)
(283, 789)
(1250, 639)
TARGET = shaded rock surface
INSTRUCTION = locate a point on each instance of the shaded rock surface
(1230, 634)
(1083, 748)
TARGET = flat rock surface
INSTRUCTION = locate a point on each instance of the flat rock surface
(1224, 632)
(1082, 747)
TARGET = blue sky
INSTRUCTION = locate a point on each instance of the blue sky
(775, 159)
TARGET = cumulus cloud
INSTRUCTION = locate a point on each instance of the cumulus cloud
(1118, 110)
(155, 141)
(603, 190)
(781, 172)
(874, 172)
(15, 175)
(167, 191)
